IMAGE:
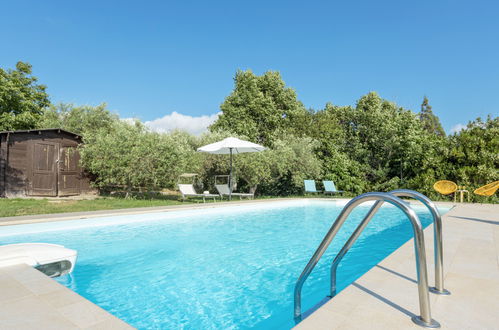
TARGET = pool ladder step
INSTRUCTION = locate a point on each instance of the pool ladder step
(392, 197)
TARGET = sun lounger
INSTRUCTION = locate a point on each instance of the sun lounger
(187, 190)
(223, 190)
(330, 187)
(310, 186)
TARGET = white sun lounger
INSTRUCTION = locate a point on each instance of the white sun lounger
(187, 190)
(223, 190)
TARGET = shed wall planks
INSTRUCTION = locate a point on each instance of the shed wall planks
(41, 163)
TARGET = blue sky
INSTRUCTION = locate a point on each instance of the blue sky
(148, 59)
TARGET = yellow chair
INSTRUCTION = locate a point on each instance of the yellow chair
(445, 187)
(487, 190)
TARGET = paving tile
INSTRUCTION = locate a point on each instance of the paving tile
(496, 241)
(11, 289)
(33, 280)
(31, 313)
(42, 286)
(61, 298)
(378, 317)
(473, 301)
(84, 313)
(476, 258)
(31, 300)
(343, 306)
(23, 273)
(110, 324)
(322, 319)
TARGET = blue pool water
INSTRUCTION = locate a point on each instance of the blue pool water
(221, 268)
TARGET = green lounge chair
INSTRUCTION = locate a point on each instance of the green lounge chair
(310, 186)
(330, 188)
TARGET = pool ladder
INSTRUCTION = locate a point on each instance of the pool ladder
(391, 197)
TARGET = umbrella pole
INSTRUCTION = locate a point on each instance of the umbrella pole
(230, 176)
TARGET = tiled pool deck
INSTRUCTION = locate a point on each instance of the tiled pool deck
(31, 300)
(384, 298)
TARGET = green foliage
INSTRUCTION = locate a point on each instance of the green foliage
(279, 170)
(473, 154)
(431, 167)
(374, 146)
(291, 160)
(259, 106)
(130, 156)
(22, 99)
(78, 119)
(430, 121)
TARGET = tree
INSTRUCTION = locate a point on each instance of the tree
(22, 99)
(473, 154)
(431, 122)
(279, 170)
(291, 161)
(259, 106)
(331, 135)
(130, 156)
(249, 169)
(372, 146)
(81, 120)
(378, 145)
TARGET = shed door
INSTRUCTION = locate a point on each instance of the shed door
(44, 181)
(69, 171)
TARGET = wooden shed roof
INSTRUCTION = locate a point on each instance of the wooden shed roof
(40, 130)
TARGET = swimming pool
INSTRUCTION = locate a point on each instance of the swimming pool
(229, 267)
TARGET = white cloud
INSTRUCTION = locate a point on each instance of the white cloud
(457, 128)
(175, 120)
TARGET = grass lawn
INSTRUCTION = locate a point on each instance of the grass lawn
(28, 206)
(21, 206)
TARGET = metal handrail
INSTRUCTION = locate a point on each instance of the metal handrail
(420, 254)
(437, 233)
(439, 286)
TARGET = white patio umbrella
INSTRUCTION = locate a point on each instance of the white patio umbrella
(230, 146)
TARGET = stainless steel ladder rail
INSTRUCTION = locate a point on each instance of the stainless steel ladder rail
(422, 273)
(437, 239)
(439, 282)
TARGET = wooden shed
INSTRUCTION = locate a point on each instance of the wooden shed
(42, 162)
